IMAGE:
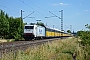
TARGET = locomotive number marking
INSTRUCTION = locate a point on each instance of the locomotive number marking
(40, 31)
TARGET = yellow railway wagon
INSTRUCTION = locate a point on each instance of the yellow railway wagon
(50, 32)
(47, 33)
(55, 33)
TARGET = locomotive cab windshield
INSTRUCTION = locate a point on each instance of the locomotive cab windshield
(29, 27)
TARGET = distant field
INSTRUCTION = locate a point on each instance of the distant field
(56, 50)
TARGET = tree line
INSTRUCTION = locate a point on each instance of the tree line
(10, 27)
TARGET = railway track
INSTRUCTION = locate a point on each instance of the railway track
(21, 45)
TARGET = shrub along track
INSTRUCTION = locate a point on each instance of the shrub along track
(21, 45)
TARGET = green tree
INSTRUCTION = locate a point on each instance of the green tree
(68, 31)
(16, 28)
(25, 23)
(80, 33)
(11, 24)
(40, 23)
(4, 24)
(10, 27)
(87, 26)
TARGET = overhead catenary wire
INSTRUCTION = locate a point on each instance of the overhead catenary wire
(9, 9)
(38, 6)
(49, 12)
(31, 7)
(54, 15)
(14, 5)
(28, 15)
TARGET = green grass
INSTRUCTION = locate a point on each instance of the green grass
(56, 50)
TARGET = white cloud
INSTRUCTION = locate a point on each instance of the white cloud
(61, 3)
(86, 10)
(64, 4)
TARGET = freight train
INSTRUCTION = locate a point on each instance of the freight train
(39, 32)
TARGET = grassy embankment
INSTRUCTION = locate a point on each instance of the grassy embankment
(6, 40)
(56, 50)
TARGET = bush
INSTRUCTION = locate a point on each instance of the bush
(84, 36)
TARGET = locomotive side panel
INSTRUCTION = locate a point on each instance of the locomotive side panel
(40, 31)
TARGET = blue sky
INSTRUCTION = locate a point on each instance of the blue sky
(75, 12)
